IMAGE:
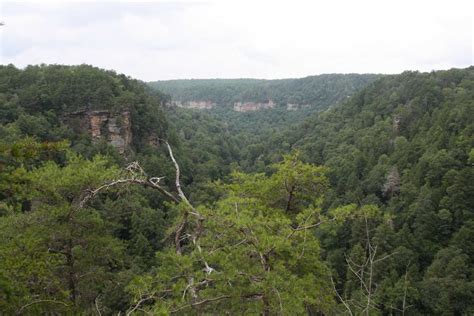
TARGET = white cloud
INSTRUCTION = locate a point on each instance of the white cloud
(264, 39)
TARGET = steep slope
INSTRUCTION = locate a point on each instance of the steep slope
(417, 112)
(402, 146)
(248, 112)
(404, 143)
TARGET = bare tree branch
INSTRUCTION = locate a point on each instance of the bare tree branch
(178, 174)
(141, 301)
(279, 300)
(200, 303)
(313, 225)
(365, 272)
(136, 178)
(20, 311)
(340, 297)
(96, 303)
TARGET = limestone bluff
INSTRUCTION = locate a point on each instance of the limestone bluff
(113, 127)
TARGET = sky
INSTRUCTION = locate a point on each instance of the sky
(160, 40)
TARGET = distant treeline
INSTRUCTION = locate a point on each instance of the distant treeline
(319, 91)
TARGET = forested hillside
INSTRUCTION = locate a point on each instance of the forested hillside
(404, 144)
(112, 202)
(319, 92)
(39, 100)
(229, 135)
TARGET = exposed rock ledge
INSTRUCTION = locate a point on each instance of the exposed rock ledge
(238, 106)
(253, 106)
(294, 106)
(115, 128)
(194, 104)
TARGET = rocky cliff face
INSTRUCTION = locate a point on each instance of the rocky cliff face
(115, 128)
(253, 106)
(294, 106)
(238, 106)
(194, 104)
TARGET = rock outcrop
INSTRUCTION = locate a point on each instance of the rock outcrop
(249, 106)
(294, 106)
(253, 106)
(194, 104)
(115, 128)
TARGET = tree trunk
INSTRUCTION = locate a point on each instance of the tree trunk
(71, 275)
(266, 305)
(290, 199)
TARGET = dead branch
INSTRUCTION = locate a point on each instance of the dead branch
(96, 303)
(209, 300)
(279, 300)
(179, 232)
(192, 287)
(141, 301)
(243, 241)
(313, 225)
(136, 178)
(367, 267)
(340, 297)
(139, 176)
(20, 311)
(177, 180)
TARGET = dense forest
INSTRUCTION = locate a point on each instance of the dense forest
(113, 202)
(317, 91)
(241, 136)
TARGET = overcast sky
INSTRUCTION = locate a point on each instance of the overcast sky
(234, 39)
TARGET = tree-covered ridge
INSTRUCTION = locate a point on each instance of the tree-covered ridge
(318, 91)
(405, 143)
(422, 113)
(69, 88)
(36, 100)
